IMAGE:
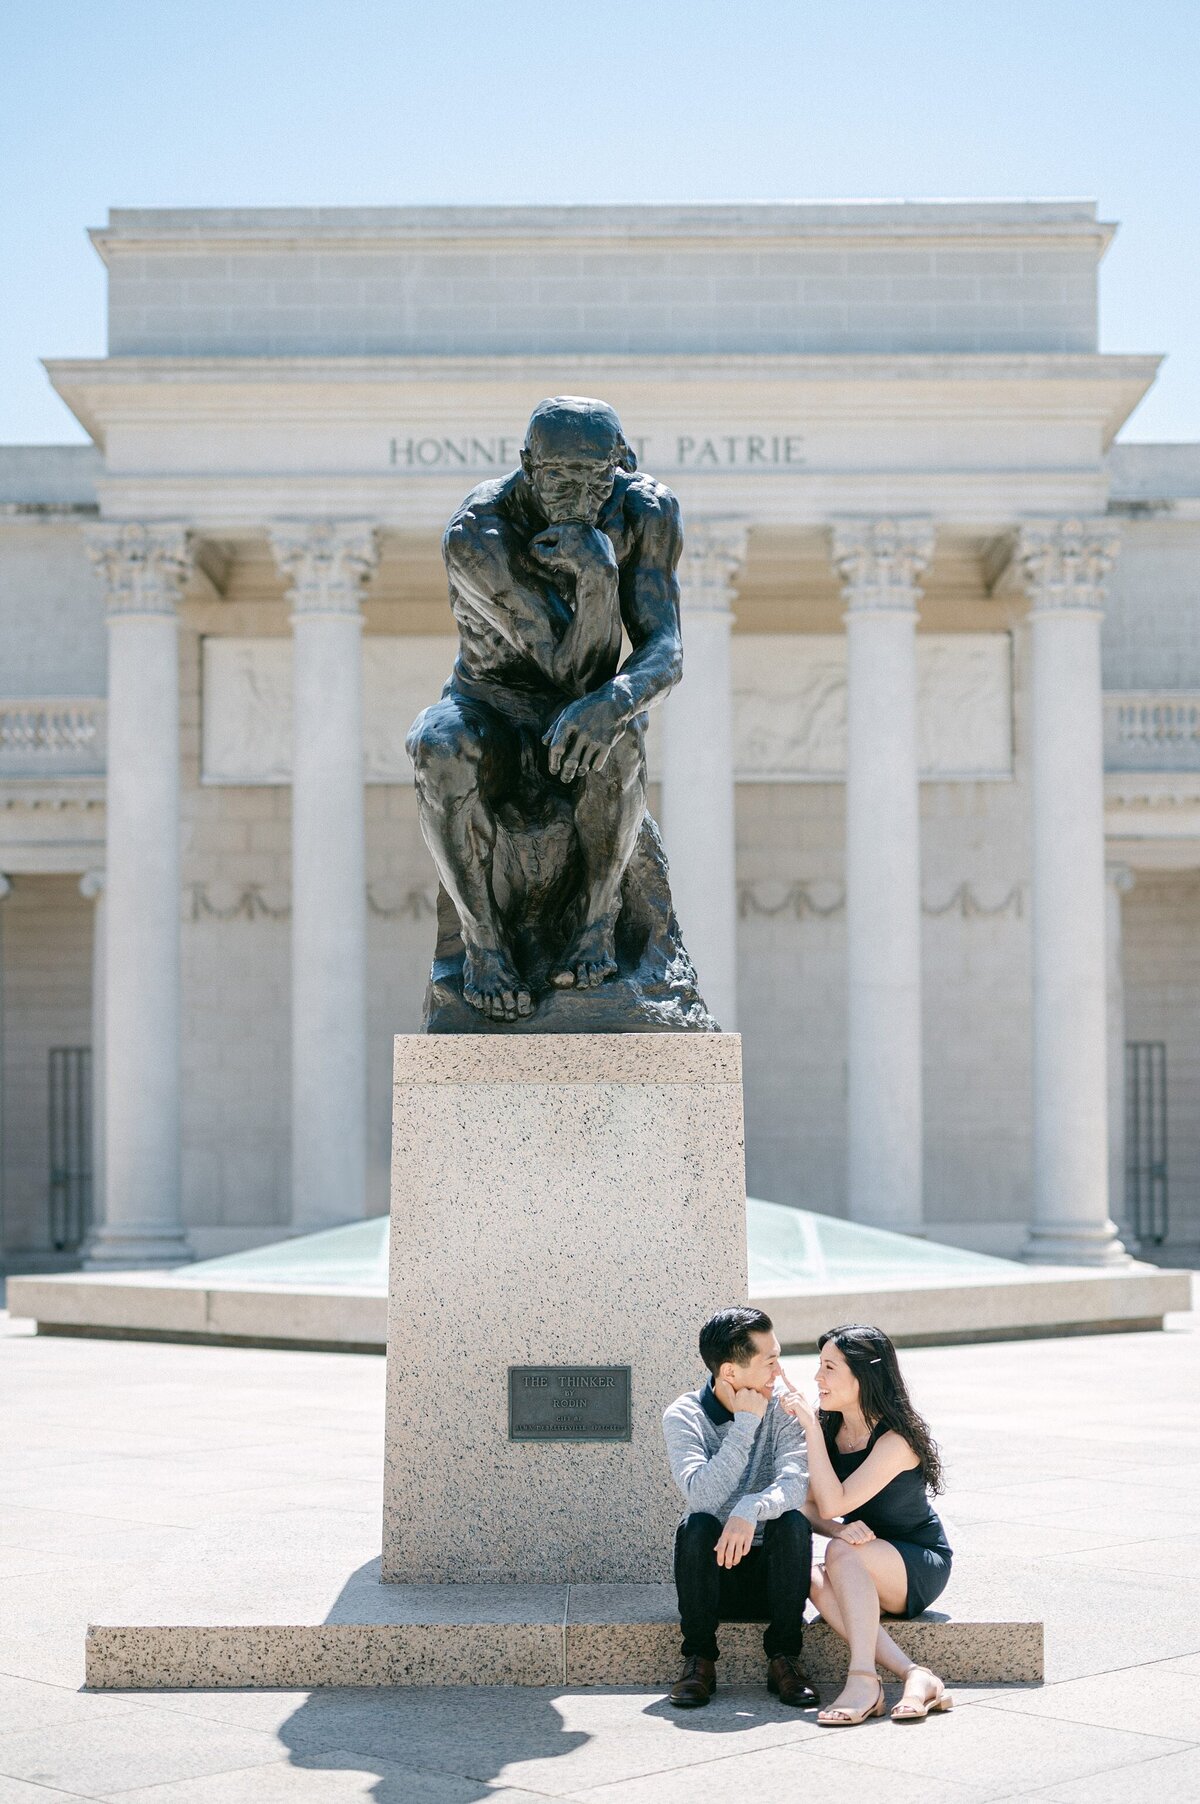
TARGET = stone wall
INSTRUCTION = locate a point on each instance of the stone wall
(976, 1027)
(52, 635)
(1161, 935)
(1150, 639)
(979, 276)
(237, 964)
(45, 1001)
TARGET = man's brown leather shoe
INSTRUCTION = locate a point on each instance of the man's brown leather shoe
(789, 1681)
(695, 1684)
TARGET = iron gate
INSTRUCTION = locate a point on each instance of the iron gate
(70, 1145)
(1146, 1139)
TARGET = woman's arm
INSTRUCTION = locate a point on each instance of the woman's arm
(822, 1524)
(890, 1456)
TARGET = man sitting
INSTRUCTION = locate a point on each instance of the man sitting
(743, 1551)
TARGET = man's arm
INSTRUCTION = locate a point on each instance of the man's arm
(478, 563)
(707, 1481)
(586, 731)
(789, 1488)
(650, 607)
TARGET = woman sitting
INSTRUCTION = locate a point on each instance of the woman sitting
(871, 1466)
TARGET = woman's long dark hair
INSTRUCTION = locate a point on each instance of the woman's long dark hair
(883, 1395)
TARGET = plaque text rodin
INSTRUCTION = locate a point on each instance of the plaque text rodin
(569, 1403)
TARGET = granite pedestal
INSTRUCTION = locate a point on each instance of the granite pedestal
(557, 1200)
(575, 1200)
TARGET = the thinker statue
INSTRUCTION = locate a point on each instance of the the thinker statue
(554, 913)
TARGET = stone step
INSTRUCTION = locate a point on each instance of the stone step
(432, 1635)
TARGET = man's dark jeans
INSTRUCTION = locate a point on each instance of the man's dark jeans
(769, 1585)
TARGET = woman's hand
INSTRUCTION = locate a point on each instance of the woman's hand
(796, 1405)
(856, 1533)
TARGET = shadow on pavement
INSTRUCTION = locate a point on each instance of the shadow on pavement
(402, 1733)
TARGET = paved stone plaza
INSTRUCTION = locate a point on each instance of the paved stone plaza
(122, 1459)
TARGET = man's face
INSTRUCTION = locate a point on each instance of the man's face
(571, 487)
(758, 1373)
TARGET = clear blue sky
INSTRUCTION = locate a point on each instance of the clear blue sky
(144, 103)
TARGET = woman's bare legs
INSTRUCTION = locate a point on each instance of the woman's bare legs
(858, 1580)
(893, 1659)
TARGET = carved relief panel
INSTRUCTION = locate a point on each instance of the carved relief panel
(789, 706)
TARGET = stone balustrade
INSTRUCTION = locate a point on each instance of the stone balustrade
(1152, 729)
(59, 737)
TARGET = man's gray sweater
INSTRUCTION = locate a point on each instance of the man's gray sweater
(729, 1463)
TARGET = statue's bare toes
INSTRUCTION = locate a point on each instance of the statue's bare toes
(524, 1003)
(563, 980)
(491, 985)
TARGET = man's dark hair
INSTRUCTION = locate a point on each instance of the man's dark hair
(726, 1335)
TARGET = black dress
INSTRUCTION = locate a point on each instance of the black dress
(902, 1514)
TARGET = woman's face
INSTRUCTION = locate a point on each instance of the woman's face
(837, 1387)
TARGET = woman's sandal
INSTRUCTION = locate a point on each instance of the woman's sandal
(914, 1710)
(840, 1716)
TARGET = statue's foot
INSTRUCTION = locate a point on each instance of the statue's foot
(590, 960)
(491, 985)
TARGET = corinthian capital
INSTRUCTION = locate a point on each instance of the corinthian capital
(713, 553)
(879, 562)
(326, 562)
(144, 567)
(1064, 563)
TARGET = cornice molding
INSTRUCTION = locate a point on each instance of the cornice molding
(138, 368)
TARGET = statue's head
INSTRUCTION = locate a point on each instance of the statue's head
(573, 449)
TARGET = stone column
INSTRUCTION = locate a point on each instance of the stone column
(1120, 880)
(1064, 564)
(144, 568)
(91, 887)
(699, 825)
(326, 564)
(879, 562)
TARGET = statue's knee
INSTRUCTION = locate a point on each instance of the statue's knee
(445, 758)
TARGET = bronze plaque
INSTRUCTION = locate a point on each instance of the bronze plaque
(569, 1403)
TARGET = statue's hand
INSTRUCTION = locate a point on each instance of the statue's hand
(573, 549)
(583, 736)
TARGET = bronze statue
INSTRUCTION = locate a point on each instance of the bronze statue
(554, 912)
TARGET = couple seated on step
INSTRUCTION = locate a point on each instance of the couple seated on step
(760, 1469)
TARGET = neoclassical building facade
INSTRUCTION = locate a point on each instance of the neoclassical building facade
(930, 787)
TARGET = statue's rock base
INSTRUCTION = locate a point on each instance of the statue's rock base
(559, 1200)
(655, 989)
(624, 1005)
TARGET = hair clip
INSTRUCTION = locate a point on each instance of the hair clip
(876, 1360)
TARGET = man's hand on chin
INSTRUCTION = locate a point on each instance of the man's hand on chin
(737, 1537)
(573, 547)
(754, 1403)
